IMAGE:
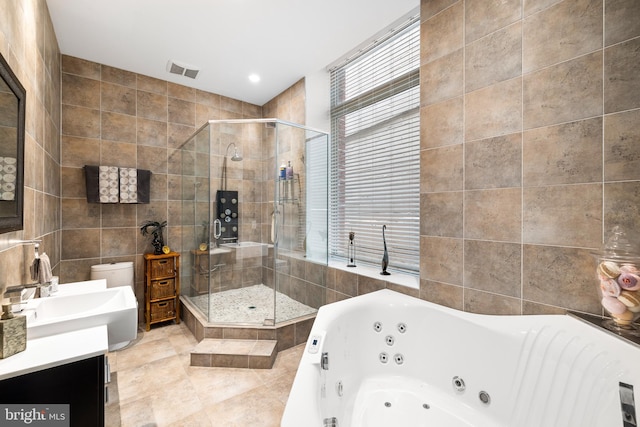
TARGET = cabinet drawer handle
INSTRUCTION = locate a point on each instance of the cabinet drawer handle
(163, 283)
(163, 304)
(162, 262)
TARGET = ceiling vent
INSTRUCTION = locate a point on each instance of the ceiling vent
(182, 69)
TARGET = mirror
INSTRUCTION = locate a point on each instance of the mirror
(12, 116)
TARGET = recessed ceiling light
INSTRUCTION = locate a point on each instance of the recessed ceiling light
(254, 78)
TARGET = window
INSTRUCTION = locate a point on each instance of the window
(375, 152)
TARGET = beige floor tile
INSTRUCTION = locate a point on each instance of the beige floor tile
(147, 379)
(143, 353)
(157, 387)
(255, 408)
(218, 384)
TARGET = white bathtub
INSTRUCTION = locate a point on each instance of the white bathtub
(395, 360)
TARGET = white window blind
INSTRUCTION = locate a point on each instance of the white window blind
(375, 152)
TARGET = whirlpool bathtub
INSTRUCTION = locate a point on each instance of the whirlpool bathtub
(387, 359)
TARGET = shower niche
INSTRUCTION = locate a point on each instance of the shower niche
(254, 247)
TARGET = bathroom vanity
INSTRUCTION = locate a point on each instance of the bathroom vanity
(62, 369)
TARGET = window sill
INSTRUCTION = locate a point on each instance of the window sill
(402, 279)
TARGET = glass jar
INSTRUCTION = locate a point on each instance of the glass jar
(618, 276)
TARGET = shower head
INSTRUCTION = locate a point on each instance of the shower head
(236, 156)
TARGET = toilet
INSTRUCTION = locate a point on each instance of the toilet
(116, 274)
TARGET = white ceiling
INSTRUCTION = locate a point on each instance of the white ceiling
(281, 40)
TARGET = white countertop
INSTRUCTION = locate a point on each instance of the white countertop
(55, 350)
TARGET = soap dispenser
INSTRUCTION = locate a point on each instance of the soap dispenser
(13, 332)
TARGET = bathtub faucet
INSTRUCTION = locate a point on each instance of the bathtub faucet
(324, 361)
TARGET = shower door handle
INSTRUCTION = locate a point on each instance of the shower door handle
(217, 229)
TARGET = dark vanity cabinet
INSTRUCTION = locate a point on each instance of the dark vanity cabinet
(81, 385)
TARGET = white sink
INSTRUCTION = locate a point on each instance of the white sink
(116, 308)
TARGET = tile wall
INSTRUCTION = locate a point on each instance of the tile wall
(28, 43)
(529, 151)
(119, 118)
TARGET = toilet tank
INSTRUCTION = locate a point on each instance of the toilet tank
(116, 274)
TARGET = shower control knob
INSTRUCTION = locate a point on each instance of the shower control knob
(235, 229)
(222, 215)
(234, 215)
(223, 229)
(234, 201)
(223, 200)
(227, 219)
(227, 211)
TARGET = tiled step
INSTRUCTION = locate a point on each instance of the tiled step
(228, 353)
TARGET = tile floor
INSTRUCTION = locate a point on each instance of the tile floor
(156, 386)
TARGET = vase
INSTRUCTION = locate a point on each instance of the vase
(618, 278)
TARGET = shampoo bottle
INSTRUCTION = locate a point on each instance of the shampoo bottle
(289, 170)
(283, 171)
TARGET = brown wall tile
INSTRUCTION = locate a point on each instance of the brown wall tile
(118, 76)
(494, 110)
(622, 76)
(444, 211)
(118, 99)
(621, 21)
(181, 112)
(118, 127)
(441, 79)
(442, 293)
(566, 30)
(493, 214)
(484, 17)
(561, 277)
(487, 303)
(80, 243)
(564, 92)
(151, 132)
(569, 153)
(493, 267)
(441, 168)
(622, 205)
(533, 6)
(81, 67)
(495, 58)
(440, 259)
(78, 121)
(77, 213)
(76, 152)
(621, 148)
(493, 163)
(442, 34)
(429, 8)
(445, 123)
(563, 215)
(81, 92)
(152, 106)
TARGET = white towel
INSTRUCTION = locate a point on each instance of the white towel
(108, 182)
(44, 272)
(7, 178)
(128, 185)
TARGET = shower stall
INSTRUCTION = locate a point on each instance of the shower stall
(254, 222)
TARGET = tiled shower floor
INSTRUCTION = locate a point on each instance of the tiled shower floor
(253, 304)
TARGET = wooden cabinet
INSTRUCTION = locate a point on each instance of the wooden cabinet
(161, 288)
(80, 384)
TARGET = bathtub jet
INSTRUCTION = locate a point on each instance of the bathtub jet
(385, 358)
